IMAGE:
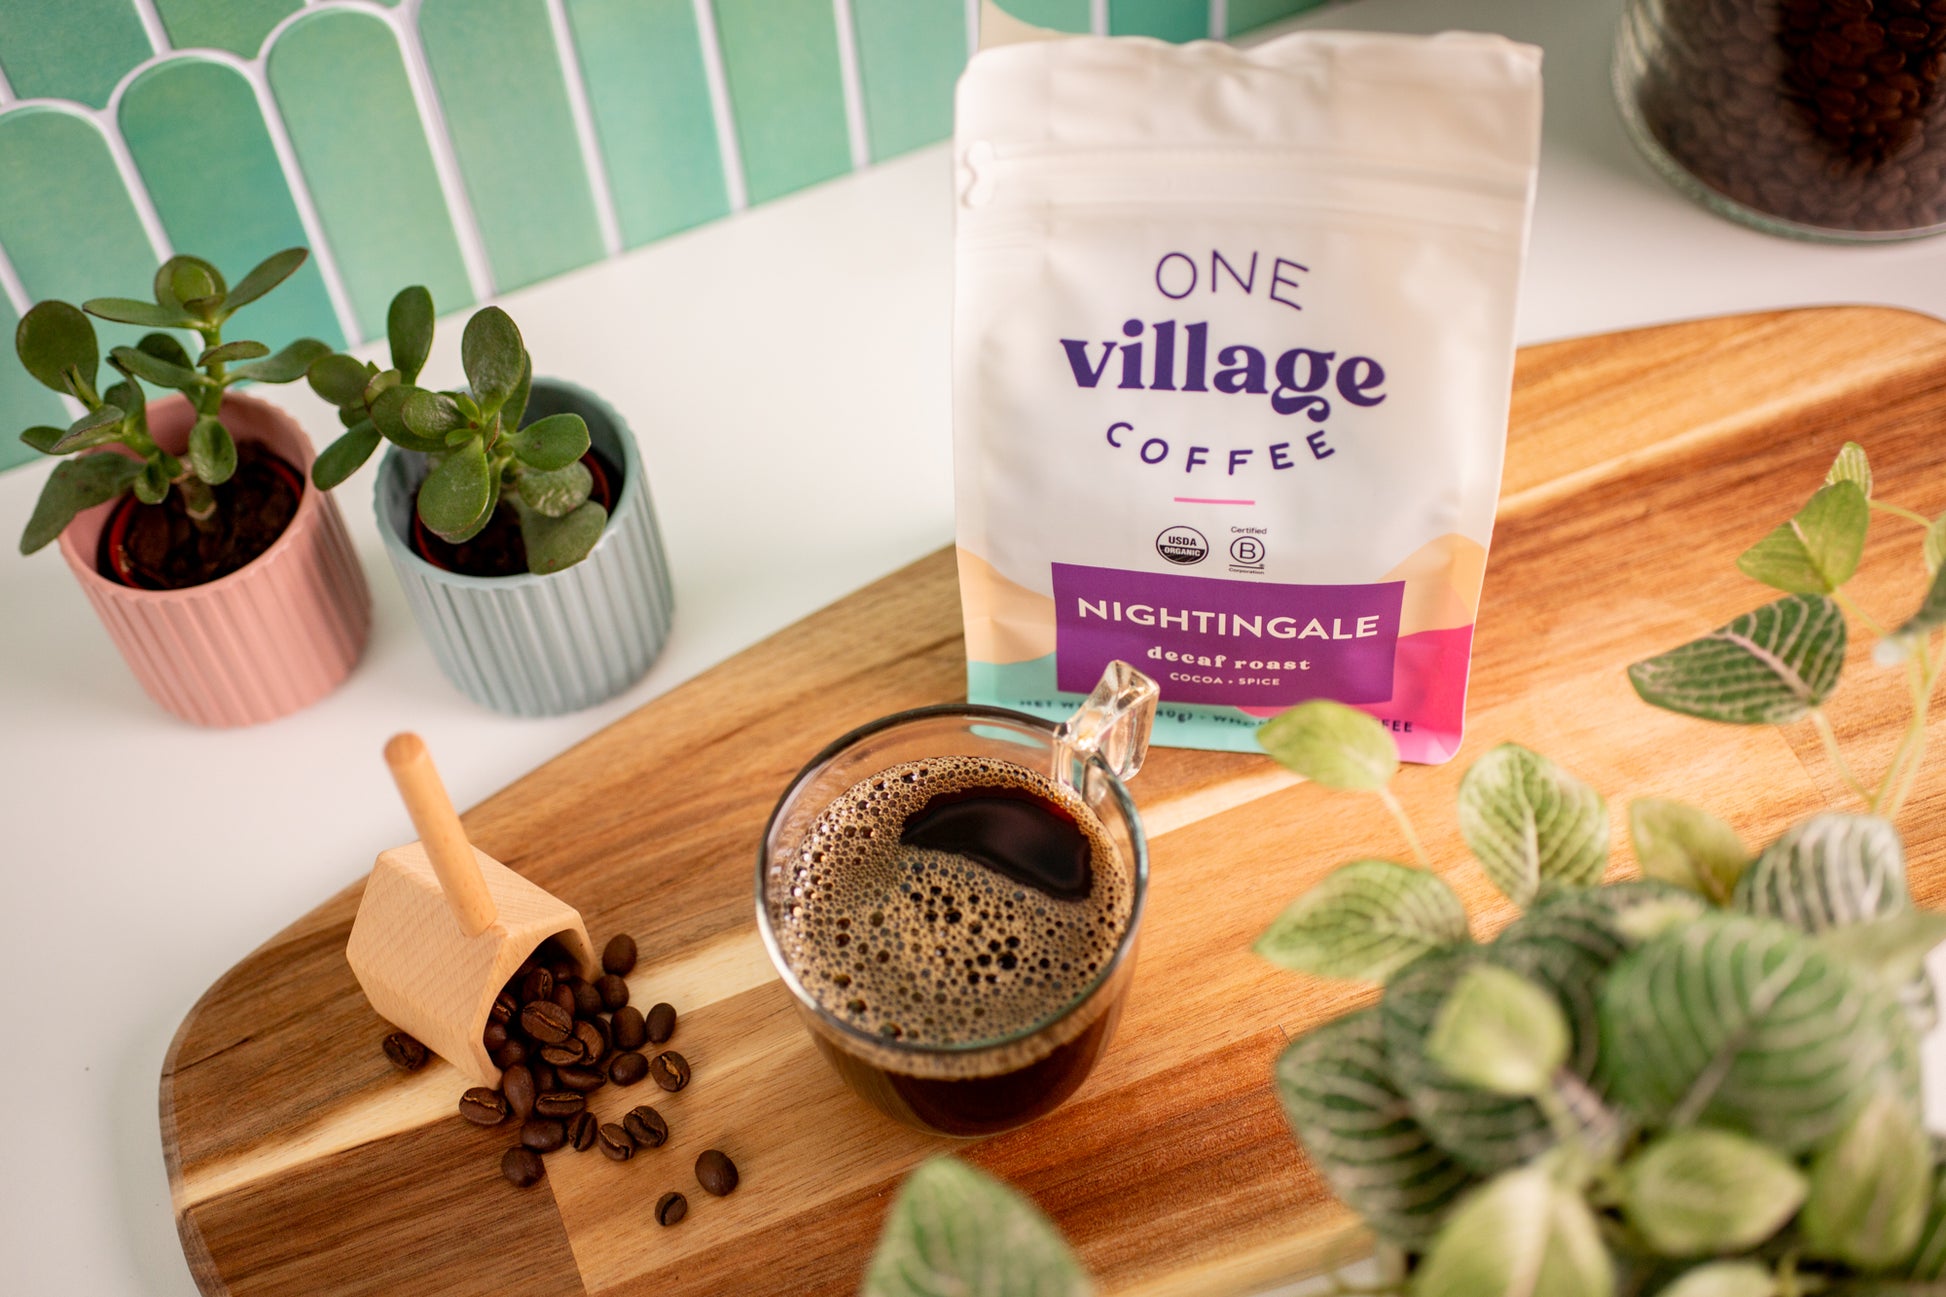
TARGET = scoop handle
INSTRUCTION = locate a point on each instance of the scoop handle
(440, 832)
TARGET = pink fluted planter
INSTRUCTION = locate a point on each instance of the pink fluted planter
(266, 640)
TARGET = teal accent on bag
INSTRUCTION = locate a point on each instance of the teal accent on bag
(1029, 687)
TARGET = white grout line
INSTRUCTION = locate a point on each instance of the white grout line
(584, 128)
(6, 89)
(404, 21)
(848, 76)
(152, 26)
(972, 28)
(719, 102)
(1098, 17)
(11, 287)
(1219, 19)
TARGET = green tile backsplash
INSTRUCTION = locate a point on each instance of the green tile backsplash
(470, 145)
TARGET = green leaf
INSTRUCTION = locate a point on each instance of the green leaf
(1911, 634)
(458, 436)
(515, 410)
(229, 351)
(431, 414)
(1532, 823)
(954, 1230)
(43, 438)
(1365, 920)
(456, 492)
(1338, 1095)
(1724, 1279)
(1929, 1258)
(1686, 847)
(1816, 551)
(54, 340)
(1935, 545)
(190, 283)
(1519, 1235)
(341, 380)
(408, 328)
(1870, 1189)
(212, 453)
(1768, 667)
(1500, 1032)
(1743, 1024)
(1331, 744)
(1701, 1192)
(128, 395)
(389, 418)
(557, 543)
(161, 372)
(1828, 871)
(479, 524)
(344, 456)
(1852, 466)
(285, 366)
(551, 443)
(559, 493)
(491, 353)
(130, 310)
(164, 347)
(97, 427)
(152, 485)
(76, 484)
(1893, 950)
(264, 276)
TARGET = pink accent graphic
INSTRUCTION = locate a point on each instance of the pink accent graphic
(1427, 710)
(1190, 499)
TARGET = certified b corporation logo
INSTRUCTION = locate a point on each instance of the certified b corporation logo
(1182, 545)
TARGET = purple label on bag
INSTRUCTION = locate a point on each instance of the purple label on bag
(1240, 643)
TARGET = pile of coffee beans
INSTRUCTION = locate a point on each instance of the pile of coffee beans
(1826, 113)
(559, 1038)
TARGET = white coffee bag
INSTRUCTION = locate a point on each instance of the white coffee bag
(1233, 346)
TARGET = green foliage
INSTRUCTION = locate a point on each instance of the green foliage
(1499, 1032)
(1331, 744)
(1686, 847)
(1768, 667)
(480, 455)
(56, 344)
(1522, 1233)
(1702, 1192)
(1532, 823)
(1828, 871)
(954, 1230)
(1870, 1189)
(1724, 1279)
(1365, 921)
(1818, 550)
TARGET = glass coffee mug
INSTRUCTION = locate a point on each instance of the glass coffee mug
(952, 895)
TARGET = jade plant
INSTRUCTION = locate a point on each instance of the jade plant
(56, 344)
(478, 453)
(1703, 1082)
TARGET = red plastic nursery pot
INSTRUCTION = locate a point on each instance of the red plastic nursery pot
(270, 638)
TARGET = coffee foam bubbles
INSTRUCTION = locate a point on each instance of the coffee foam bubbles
(929, 947)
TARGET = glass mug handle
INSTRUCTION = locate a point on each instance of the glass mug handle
(1113, 724)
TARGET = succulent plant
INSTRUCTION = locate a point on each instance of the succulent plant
(478, 451)
(56, 343)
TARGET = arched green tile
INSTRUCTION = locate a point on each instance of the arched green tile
(642, 63)
(910, 52)
(66, 220)
(23, 402)
(206, 159)
(787, 94)
(70, 49)
(506, 105)
(238, 26)
(1056, 15)
(1172, 20)
(1248, 15)
(340, 84)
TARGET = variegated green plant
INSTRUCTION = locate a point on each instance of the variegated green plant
(56, 344)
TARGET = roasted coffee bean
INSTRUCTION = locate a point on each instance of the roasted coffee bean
(581, 1079)
(581, 1131)
(508, 1054)
(618, 956)
(504, 1007)
(543, 1134)
(670, 1070)
(564, 996)
(593, 1041)
(670, 1208)
(495, 1035)
(545, 1077)
(627, 1067)
(560, 1103)
(517, 1084)
(614, 991)
(615, 1142)
(537, 985)
(587, 1000)
(628, 1030)
(564, 968)
(483, 1107)
(646, 1127)
(405, 1053)
(547, 1022)
(566, 1054)
(715, 1172)
(522, 1167)
(662, 1022)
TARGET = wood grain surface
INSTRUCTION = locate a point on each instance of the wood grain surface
(1640, 465)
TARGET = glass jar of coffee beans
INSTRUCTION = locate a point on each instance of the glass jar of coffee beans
(1818, 118)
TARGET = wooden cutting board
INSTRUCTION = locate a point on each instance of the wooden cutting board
(1640, 465)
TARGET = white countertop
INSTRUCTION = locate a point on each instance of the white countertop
(786, 374)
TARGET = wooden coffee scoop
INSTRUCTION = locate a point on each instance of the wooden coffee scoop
(443, 925)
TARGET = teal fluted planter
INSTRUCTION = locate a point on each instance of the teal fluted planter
(542, 645)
